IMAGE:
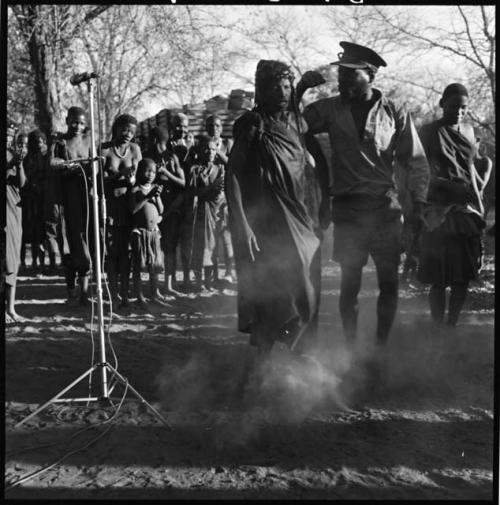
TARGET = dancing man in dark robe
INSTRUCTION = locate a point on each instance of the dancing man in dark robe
(276, 249)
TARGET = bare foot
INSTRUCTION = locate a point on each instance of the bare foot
(13, 316)
(168, 297)
(173, 293)
(158, 301)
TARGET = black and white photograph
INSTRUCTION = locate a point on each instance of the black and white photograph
(248, 251)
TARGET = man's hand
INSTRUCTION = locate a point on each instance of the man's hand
(251, 242)
(310, 79)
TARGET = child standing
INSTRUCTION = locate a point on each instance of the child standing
(146, 207)
(36, 166)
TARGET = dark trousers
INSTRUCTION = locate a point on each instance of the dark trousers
(357, 235)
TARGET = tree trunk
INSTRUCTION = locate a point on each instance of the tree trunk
(34, 23)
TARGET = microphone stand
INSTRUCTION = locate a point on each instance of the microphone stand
(103, 366)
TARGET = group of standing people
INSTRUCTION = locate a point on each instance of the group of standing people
(381, 169)
(168, 198)
(271, 196)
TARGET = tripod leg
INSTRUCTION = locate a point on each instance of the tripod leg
(125, 382)
(39, 409)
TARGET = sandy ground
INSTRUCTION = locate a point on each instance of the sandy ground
(417, 426)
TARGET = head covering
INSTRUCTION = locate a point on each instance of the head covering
(357, 56)
(268, 72)
(454, 89)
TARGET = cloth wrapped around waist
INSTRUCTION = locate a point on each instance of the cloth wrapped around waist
(452, 220)
(146, 249)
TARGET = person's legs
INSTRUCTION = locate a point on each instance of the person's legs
(23, 253)
(62, 237)
(457, 300)
(10, 298)
(136, 275)
(437, 302)
(227, 248)
(385, 249)
(215, 253)
(198, 278)
(387, 275)
(186, 241)
(39, 236)
(172, 240)
(124, 264)
(350, 249)
(83, 281)
(153, 283)
(350, 284)
(70, 277)
(209, 275)
(112, 274)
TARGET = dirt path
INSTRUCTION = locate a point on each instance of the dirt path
(424, 430)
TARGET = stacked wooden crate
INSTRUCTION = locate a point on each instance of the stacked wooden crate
(196, 118)
(196, 115)
(228, 109)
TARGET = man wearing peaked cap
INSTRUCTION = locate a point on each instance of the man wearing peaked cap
(356, 56)
(374, 143)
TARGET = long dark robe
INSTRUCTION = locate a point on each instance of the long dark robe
(451, 245)
(277, 295)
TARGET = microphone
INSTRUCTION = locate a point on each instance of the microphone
(85, 76)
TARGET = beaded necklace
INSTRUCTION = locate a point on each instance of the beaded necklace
(121, 156)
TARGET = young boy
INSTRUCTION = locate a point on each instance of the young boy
(54, 221)
(213, 125)
(36, 165)
(172, 178)
(146, 207)
(207, 183)
(121, 159)
(75, 188)
(15, 180)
